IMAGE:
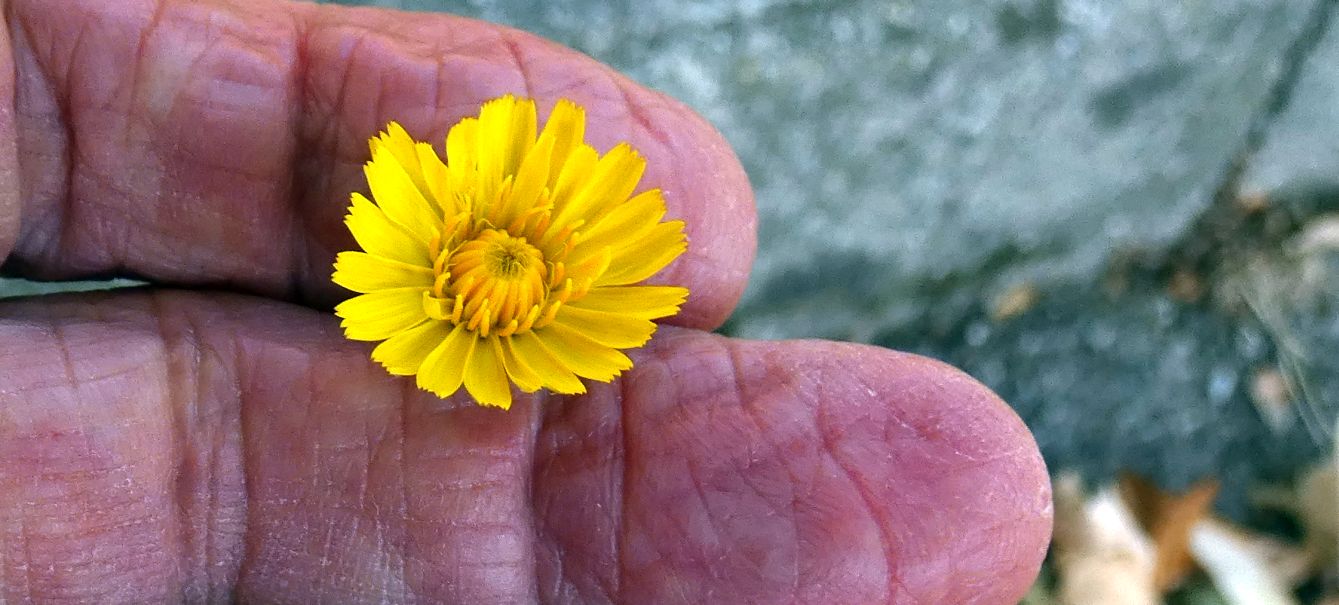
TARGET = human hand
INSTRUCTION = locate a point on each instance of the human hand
(166, 445)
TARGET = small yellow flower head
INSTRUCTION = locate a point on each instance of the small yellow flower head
(512, 262)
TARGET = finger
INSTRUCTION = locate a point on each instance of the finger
(232, 449)
(810, 472)
(217, 142)
(244, 451)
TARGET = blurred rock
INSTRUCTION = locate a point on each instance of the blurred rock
(1136, 382)
(1302, 148)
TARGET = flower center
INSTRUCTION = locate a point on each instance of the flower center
(508, 258)
(495, 260)
(494, 283)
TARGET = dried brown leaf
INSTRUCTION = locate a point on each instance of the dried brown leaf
(1168, 519)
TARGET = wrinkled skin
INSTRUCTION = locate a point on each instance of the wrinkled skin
(165, 446)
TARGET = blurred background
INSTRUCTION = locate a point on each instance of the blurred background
(1123, 216)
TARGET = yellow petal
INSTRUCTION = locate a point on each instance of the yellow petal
(555, 376)
(396, 141)
(585, 357)
(623, 225)
(378, 235)
(530, 180)
(435, 176)
(609, 329)
(399, 197)
(490, 149)
(644, 257)
(644, 302)
(444, 368)
(506, 132)
(461, 142)
(486, 377)
(403, 354)
(567, 127)
(592, 266)
(612, 180)
(523, 126)
(517, 370)
(381, 314)
(575, 172)
(362, 272)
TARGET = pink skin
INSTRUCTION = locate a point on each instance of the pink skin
(169, 446)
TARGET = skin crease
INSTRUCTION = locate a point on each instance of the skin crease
(168, 446)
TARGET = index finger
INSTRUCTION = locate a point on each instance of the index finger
(215, 143)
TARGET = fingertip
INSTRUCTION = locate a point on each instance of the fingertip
(946, 463)
(908, 480)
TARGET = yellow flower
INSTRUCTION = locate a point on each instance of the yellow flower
(512, 262)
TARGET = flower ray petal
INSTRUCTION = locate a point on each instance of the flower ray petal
(381, 314)
(518, 370)
(575, 172)
(623, 225)
(609, 329)
(461, 159)
(400, 145)
(585, 357)
(567, 126)
(530, 180)
(443, 370)
(611, 181)
(404, 353)
(435, 179)
(378, 235)
(506, 132)
(644, 302)
(397, 195)
(536, 356)
(486, 377)
(644, 257)
(363, 273)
